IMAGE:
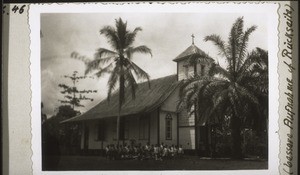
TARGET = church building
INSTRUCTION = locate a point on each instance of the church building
(152, 117)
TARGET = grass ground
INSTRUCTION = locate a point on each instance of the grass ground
(184, 163)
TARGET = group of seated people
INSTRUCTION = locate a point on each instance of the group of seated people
(157, 152)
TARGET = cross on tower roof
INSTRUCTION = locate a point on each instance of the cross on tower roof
(193, 36)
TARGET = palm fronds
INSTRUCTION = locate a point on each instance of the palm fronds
(130, 36)
(82, 58)
(243, 46)
(110, 33)
(140, 49)
(140, 73)
(112, 81)
(117, 62)
(102, 52)
(216, 39)
(234, 91)
(108, 69)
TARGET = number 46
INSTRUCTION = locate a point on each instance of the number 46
(16, 8)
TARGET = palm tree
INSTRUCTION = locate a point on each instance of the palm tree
(231, 91)
(257, 80)
(118, 62)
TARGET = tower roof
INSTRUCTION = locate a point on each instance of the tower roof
(193, 50)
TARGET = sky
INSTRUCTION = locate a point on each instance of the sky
(166, 34)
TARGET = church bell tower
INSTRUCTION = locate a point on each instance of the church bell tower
(192, 61)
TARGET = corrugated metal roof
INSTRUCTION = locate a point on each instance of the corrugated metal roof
(193, 50)
(147, 99)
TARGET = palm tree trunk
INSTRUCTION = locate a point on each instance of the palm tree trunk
(236, 145)
(121, 97)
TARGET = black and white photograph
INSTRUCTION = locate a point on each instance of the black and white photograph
(161, 90)
(154, 91)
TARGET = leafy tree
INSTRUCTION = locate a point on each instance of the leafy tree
(66, 135)
(118, 63)
(61, 137)
(233, 91)
(72, 95)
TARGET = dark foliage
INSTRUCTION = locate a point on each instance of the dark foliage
(59, 138)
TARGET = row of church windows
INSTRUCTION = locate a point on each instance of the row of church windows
(143, 129)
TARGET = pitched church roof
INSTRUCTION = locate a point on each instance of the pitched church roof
(193, 50)
(147, 99)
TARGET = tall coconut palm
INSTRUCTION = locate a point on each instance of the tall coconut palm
(118, 62)
(230, 91)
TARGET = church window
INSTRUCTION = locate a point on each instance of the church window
(168, 127)
(202, 69)
(186, 71)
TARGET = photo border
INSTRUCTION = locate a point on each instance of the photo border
(19, 143)
(34, 22)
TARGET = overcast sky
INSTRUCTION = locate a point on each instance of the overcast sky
(167, 34)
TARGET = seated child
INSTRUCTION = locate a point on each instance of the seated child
(126, 151)
(108, 152)
(180, 151)
(175, 151)
(151, 151)
(135, 152)
(171, 151)
(131, 152)
(165, 152)
(155, 152)
(113, 152)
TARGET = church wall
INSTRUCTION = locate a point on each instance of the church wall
(82, 136)
(206, 64)
(186, 123)
(133, 123)
(154, 127)
(94, 143)
(186, 119)
(182, 71)
(187, 137)
(163, 139)
(133, 129)
(171, 102)
(186, 130)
